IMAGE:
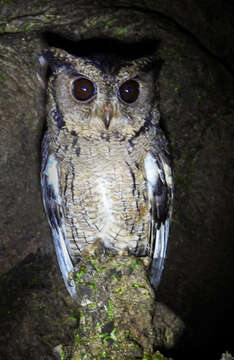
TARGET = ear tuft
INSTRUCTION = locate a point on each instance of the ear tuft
(55, 58)
(42, 60)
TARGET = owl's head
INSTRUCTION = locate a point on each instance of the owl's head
(101, 95)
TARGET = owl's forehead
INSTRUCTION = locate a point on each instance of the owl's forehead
(107, 64)
(111, 67)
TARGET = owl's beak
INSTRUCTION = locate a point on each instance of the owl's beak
(107, 114)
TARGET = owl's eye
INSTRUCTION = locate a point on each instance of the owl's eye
(129, 91)
(83, 89)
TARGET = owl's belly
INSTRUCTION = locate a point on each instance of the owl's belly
(106, 205)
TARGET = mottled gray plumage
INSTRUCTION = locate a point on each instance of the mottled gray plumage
(106, 177)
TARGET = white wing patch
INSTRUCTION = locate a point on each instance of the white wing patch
(151, 171)
(54, 208)
(52, 174)
(159, 185)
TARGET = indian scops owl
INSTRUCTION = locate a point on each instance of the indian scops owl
(105, 174)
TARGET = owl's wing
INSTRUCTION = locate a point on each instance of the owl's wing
(160, 193)
(53, 204)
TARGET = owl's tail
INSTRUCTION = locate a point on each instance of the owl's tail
(159, 256)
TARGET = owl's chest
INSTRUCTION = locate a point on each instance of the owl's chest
(104, 184)
(105, 197)
(103, 172)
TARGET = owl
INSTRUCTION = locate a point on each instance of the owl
(105, 173)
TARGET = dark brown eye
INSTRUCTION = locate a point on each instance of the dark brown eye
(129, 91)
(83, 89)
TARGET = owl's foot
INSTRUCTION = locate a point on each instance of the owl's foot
(70, 278)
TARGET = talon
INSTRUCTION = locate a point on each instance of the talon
(71, 281)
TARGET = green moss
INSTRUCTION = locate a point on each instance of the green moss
(2, 2)
(110, 310)
(117, 266)
(2, 78)
(138, 286)
(116, 277)
(122, 31)
(101, 268)
(3, 27)
(156, 356)
(27, 27)
(105, 337)
(118, 291)
(41, 4)
(93, 305)
(71, 321)
(79, 274)
(110, 23)
(159, 356)
(62, 355)
(89, 283)
(134, 265)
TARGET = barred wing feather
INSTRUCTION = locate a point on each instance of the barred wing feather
(159, 185)
(53, 203)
